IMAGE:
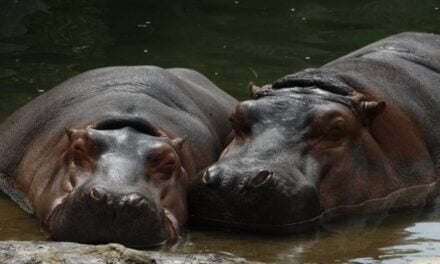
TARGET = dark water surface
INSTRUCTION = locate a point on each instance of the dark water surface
(232, 42)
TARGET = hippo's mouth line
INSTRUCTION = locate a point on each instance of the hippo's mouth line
(173, 227)
(147, 246)
(369, 206)
(237, 224)
(48, 222)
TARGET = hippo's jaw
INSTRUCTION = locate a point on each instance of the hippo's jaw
(172, 226)
(268, 228)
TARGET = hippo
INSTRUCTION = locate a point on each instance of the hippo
(107, 155)
(357, 136)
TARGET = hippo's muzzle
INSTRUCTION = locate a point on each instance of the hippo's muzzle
(98, 215)
(239, 199)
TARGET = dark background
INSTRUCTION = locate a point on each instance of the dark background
(43, 42)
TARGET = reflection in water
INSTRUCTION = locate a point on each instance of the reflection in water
(396, 239)
(422, 242)
(43, 42)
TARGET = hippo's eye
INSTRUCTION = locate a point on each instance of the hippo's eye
(163, 171)
(80, 156)
(166, 170)
(161, 165)
(236, 128)
(240, 128)
(336, 129)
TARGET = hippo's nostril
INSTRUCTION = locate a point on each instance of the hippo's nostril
(132, 200)
(135, 200)
(261, 178)
(97, 193)
(205, 177)
(211, 177)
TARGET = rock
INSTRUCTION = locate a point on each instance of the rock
(434, 260)
(42, 252)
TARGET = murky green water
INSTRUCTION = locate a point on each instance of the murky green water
(232, 42)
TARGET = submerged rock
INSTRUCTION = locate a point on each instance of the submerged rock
(33, 252)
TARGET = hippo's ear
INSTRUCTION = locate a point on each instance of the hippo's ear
(257, 92)
(177, 143)
(370, 109)
(70, 132)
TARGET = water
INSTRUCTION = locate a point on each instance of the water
(232, 42)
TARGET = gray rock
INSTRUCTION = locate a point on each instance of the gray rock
(42, 252)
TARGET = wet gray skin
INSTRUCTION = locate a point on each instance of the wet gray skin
(123, 181)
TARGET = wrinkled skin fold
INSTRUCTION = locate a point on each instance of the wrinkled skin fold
(358, 135)
(107, 156)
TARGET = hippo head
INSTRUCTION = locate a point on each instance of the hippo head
(118, 184)
(296, 152)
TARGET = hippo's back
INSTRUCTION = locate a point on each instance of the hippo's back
(403, 70)
(178, 100)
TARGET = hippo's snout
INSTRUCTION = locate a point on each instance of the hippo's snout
(253, 198)
(99, 214)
